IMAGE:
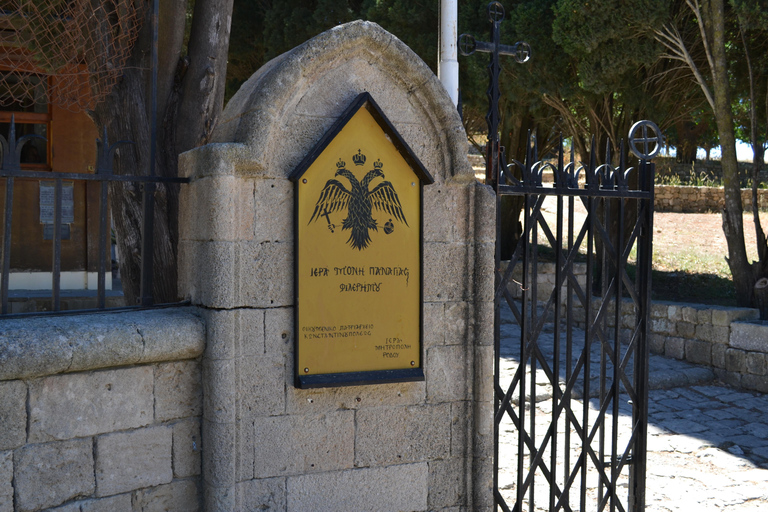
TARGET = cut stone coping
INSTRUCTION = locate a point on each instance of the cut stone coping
(40, 346)
(750, 336)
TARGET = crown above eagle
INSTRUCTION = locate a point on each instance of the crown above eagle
(359, 158)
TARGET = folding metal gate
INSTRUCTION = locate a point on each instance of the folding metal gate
(571, 332)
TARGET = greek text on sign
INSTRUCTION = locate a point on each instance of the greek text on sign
(358, 250)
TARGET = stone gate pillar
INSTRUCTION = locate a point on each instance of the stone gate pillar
(424, 445)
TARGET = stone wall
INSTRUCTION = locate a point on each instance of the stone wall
(731, 341)
(710, 169)
(413, 446)
(670, 198)
(101, 412)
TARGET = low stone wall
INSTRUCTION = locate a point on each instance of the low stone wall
(670, 198)
(729, 340)
(545, 279)
(101, 412)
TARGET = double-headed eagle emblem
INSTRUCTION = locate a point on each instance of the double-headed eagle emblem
(359, 202)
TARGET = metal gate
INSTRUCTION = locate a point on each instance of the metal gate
(571, 333)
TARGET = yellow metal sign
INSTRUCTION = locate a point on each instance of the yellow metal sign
(358, 250)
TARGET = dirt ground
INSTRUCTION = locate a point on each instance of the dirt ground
(689, 251)
(699, 232)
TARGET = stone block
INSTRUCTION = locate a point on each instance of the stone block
(726, 316)
(219, 457)
(446, 374)
(704, 316)
(317, 401)
(234, 333)
(119, 503)
(219, 498)
(712, 333)
(461, 427)
(259, 495)
(178, 390)
(698, 352)
(6, 481)
(49, 474)
(390, 435)
(177, 496)
(690, 315)
(458, 323)
(171, 335)
(217, 208)
(750, 336)
(675, 347)
(483, 213)
(269, 267)
(728, 378)
(718, 355)
(390, 489)
(440, 213)
(38, 347)
(187, 445)
(287, 445)
(13, 414)
(273, 210)
(662, 326)
(656, 343)
(735, 360)
(675, 313)
(659, 310)
(483, 283)
(445, 274)
(278, 331)
(245, 434)
(756, 382)
(483, 322)
(208, 273)
(483, 373)
(756, 363)
(686, 330)
(446, 479)
(70, 507)
(87, 404)
(434, 324)
(261, 383)
(126, 461)
(220, 390)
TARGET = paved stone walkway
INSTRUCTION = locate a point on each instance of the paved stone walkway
(707, 443)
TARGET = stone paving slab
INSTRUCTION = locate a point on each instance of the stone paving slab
(707, 443)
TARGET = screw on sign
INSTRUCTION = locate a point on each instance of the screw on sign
(639, 136)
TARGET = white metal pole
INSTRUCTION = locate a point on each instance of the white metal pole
(448, 63)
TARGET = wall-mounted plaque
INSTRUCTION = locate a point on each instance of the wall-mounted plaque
(359, 254)
(47, 202)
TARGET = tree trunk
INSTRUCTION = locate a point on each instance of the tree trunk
(189, 99)
(733, 225)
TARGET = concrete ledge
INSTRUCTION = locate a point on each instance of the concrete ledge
(37, 347)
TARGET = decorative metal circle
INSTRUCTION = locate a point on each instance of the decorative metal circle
(467, 44)
(495, 12)
(522, 52)
(639, 136)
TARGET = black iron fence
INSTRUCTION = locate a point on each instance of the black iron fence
(11, 170)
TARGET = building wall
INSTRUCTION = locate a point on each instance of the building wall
(413, 446)
(101, 412)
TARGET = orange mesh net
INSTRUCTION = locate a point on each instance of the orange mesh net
(81, 45)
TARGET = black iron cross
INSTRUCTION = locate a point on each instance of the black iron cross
(521, 52)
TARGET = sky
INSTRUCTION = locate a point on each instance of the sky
(743, 152)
